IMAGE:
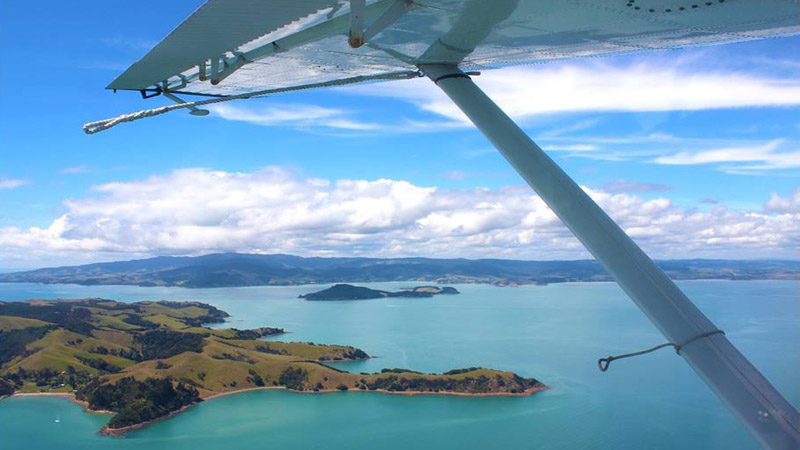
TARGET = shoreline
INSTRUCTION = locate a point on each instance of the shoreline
(120, 432)
(487, 283)
(526, 393)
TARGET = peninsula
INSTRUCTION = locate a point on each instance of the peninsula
(149, 360)
(350, 292)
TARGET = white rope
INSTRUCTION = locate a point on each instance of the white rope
(100, 125)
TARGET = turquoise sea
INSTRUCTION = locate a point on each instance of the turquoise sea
(554, 333)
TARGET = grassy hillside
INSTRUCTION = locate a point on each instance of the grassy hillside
(149, 359)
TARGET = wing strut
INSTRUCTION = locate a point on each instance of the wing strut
(752, 399)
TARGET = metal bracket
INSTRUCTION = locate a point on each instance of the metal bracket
(381, 14)
(228, 67)
(358, 36)
(193, 110)
(154, 93)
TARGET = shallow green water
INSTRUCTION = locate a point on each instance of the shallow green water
(554, 333)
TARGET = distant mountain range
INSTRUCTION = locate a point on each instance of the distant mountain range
(234, 269)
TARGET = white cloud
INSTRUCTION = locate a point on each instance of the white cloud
(531, 94)
(593, 87)
(196, 211)
(571, 128)
(757, 158)
(322, 119)
(456, 175)
(634, 186)
(571, 148)
(733, 156)
(295, 115)
(12, 183)
(782, 205)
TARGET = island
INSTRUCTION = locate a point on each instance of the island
(149, 360)
(350, 292)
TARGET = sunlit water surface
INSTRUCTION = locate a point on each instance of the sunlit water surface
(554, 333)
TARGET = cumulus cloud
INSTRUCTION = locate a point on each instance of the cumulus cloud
(195, 211)
(778, 204)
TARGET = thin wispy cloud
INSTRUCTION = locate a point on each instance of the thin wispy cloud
(529, 93)
(571, 148)
(732, 156)
(75, 170)
(771, 155)
(571, 128)
(475, 153)
(111, 66)
(129, 43)
(524, 92)
(12, 183)
(456, 175)
(323, 119)
(635, 186)
(462, 175)
(276, 115)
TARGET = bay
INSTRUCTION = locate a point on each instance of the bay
(554, 333)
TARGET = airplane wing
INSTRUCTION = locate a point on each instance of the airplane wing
(232, 47)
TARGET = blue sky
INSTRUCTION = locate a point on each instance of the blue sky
(705, 136)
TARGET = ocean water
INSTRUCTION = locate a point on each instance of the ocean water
(554, 333)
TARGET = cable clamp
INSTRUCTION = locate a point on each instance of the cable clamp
(603, 363)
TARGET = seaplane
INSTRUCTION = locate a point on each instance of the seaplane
(230, 50)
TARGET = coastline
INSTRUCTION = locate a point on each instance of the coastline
(120, 432)
(449, 282)
(526, 393)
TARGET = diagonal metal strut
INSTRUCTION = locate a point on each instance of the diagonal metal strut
(743, 389)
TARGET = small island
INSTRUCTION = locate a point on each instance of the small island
(350, 292)
(147, 361)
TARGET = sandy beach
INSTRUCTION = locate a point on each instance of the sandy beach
(67, 395)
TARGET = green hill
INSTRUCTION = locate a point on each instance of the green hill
(148, 360)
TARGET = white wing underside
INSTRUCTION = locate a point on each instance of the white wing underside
(300, 42)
